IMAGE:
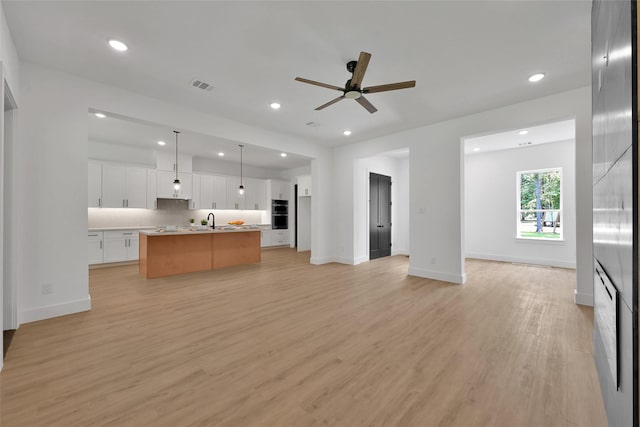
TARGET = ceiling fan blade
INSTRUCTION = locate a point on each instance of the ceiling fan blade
(390, 86)
(313, 82)
(361, 68)
(366, 104)
(333, 101)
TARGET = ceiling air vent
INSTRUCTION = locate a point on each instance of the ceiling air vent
(199, 84)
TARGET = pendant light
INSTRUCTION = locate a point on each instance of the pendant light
(176, 182)
(241, 188)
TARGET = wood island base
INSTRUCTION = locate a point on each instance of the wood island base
(163, 254)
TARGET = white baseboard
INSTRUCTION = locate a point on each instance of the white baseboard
(438, 275)
(520, 260)
(360, 260)
(321, 260)
(399, 252)
(582, 299)
(49, 311)
(344, 260)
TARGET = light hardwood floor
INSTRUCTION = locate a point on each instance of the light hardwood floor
(285, 343)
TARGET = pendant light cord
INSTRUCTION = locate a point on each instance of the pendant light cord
(241, 163)
(176, 132)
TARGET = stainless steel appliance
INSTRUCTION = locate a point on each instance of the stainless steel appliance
(279, 214)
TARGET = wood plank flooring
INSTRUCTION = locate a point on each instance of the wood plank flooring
(285, 343)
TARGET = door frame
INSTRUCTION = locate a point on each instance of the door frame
(9, 285)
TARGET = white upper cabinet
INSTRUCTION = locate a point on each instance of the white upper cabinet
(123, 186)
(206, 191)
(164, 184)
(256, 194)
(220, 192)
(196, 195)
(279, 190)
(152, 197)
(136, 187)
(304, 185)
(113, 186)
(95, 185)
(234, 199)
(166, 161)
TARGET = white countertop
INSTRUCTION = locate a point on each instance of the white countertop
(182, 231)
(155, 227)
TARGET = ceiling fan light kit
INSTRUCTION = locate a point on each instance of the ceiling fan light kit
(352, 89)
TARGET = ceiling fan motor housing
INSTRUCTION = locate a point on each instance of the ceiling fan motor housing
(351, 65)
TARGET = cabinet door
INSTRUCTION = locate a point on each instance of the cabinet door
(95, 248)
(115, 248)
(133, 245)
(196, 197)
(136, 187)
(234, 199)
(220, 192)
(113, 186)
(304, 185)
(264, 238)
(94, 198)
(279, 190)
(260, 194)
(206, 191)
(152, 200)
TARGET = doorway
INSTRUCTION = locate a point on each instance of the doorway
(379, 215)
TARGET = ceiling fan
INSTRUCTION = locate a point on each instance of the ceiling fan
(352, 89)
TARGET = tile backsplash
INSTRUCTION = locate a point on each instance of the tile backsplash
(169, 212)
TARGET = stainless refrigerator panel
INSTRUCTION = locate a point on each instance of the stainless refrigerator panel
(613, 225)
(605, 310)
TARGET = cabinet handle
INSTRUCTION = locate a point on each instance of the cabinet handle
(99, 202)
(127, 202)
(213, 205)
(123, 203)
(100, 244)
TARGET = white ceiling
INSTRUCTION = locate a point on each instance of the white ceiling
(542, 134)
(467, 56)
(122, 131)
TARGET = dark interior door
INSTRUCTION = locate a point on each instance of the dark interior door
(379, 215)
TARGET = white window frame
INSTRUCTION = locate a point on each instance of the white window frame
(519, 211)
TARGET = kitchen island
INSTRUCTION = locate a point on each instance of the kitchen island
(166, 253)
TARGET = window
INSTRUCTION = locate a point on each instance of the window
(539, 204)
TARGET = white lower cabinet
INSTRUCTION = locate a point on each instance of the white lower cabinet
(96, 248)
(264, 238)
(121, 246)
(279, 237)
(274, 238)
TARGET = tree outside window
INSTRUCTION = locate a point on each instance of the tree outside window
(539, 204)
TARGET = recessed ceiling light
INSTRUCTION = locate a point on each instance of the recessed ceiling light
(118, 45)
(100, 115)
(523, 132)
(283, 154)
(536, 77)
(162, 143)
(347, 132)
(221, 154)
(275, 105)
(476, 149)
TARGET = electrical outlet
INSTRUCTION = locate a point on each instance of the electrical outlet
(47, 289)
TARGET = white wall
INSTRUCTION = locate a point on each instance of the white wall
(51, 186)
(10, 72)
(304, 223)
(491, 205)
(392, 167)
(436, 198)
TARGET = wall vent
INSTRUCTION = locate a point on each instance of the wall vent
(199, 84)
